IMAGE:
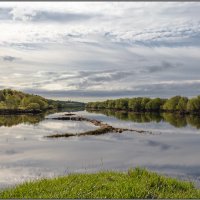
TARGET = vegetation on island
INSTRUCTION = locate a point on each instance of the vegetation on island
(136, 183)
(16, 101)
(143, 104)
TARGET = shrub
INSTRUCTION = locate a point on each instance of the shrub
(33, 106)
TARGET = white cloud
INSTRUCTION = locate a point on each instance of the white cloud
(133, 21)
(22, 13)
(52, 87)
(95, 46)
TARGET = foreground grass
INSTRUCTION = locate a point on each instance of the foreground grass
(137, 183)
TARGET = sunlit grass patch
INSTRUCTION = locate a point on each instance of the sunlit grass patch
(136, 183)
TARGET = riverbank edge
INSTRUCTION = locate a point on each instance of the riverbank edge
(24, 111)
(19, 111)
(135, 183)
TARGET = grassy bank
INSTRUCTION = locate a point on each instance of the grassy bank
(137, 183)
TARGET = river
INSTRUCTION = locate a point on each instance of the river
(26, 154)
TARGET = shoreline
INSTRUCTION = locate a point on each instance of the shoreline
(134, 183)
(19, 111)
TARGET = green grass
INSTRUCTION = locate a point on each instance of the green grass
(136, 183)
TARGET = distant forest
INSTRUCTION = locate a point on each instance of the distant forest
(16, 100)
(144, 104)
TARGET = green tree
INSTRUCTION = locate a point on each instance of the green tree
(182, 104)
(154, 104)
(24, 102)
(111, 104)
(33, 106)
(171, 103)
(2, 97)
(144, 101)
(193, 104)
(135, 104)
(2, 105)
(11, 102)
(117, 104)
(123, 104)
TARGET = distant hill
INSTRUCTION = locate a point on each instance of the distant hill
(17, 101)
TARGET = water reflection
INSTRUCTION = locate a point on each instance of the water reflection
(12, 120)
(27, 155)
(175, 120)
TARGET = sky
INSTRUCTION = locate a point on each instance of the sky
(88, 51)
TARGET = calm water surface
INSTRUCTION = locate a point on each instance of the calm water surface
(25, 154)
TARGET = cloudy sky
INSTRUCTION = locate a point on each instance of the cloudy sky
(87, 51)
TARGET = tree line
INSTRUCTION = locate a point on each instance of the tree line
(145, 104)
(13, 100)
(16, 100)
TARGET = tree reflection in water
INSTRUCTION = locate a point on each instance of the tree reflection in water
(12, 120)
(175, 120)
